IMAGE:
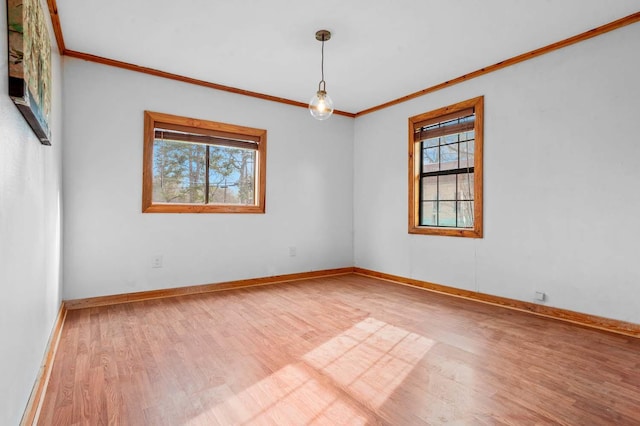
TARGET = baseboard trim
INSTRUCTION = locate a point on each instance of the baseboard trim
(586, 320)
(116, 299)
(32, 411)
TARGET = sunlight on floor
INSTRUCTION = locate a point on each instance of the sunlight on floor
(370, 359)
(291, 395)
(367, 362)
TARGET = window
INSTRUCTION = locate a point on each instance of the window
(445, 171)
(198, 166)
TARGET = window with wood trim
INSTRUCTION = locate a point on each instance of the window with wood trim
(445, 170)
(199, 166)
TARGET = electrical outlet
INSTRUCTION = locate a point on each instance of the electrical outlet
(292, 251)
(156, 261)
(540, 296)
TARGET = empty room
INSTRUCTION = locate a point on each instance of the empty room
(340, 213)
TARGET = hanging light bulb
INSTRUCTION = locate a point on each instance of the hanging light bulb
(321, 105)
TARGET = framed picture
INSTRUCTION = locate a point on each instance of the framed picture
(30, 64)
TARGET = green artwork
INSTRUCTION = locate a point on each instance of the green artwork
(30, 64)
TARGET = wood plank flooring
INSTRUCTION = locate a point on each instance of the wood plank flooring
(340, 350)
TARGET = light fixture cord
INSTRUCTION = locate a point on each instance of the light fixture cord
(322, 85)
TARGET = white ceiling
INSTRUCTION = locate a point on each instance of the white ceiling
(380, 49)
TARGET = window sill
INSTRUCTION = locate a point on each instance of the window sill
(201, 208)
(447, 232)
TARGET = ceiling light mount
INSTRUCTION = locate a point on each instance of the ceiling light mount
(323, 35)
(321, 105)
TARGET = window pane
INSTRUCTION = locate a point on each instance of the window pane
(449, 157)
(465, 214)
(447, 213)
(430, 159)
(466, 153)
(231, 175)
(450, 138)
(178, 172)
(465, 186)
(429, 213)
(447, 187)
(427, 143)
(429, 188)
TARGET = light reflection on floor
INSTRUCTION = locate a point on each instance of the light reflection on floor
(367, 362)
(370, 359)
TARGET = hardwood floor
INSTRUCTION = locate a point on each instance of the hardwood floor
(339, 350)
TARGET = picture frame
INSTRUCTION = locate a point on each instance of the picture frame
(30, 64)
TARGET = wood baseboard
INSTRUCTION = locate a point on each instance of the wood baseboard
(32, 409)
(31, 412)
(586, 320)
(197, 289)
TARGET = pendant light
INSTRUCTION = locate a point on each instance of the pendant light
(321, 105)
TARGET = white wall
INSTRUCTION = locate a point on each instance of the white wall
(109, 243)
(30, 220)
(562, 183)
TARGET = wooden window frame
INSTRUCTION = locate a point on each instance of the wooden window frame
(477, 104)
(153, 120)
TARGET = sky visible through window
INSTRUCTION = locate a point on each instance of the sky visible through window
(447, 199)
(180, 173)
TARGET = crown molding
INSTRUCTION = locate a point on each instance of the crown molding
(619, 23)
(158, 73)
(603, 29)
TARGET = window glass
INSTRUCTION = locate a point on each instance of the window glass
(198, 166)
(445, 194)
